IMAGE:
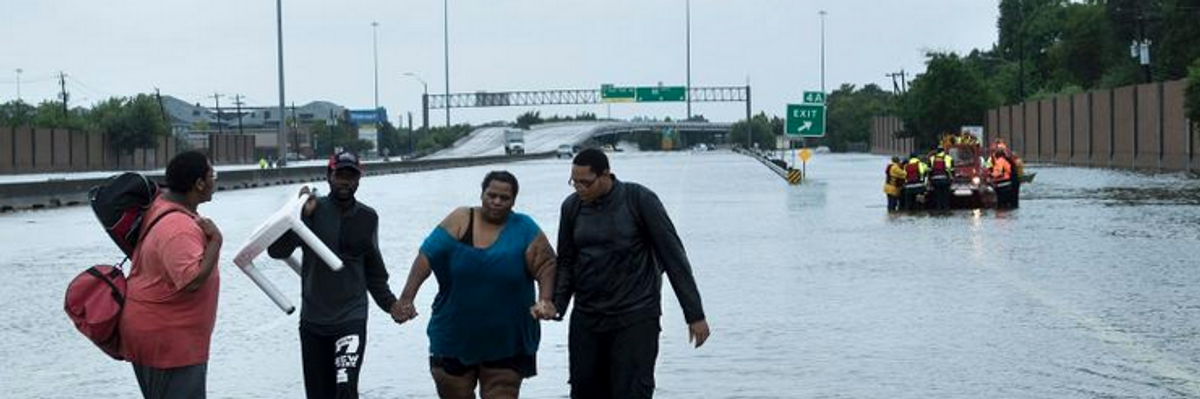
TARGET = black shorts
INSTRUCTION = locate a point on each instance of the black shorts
(524, 365)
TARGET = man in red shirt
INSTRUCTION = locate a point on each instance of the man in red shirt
(171, 305)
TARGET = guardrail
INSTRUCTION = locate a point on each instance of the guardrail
(56, 193)
(791, 176)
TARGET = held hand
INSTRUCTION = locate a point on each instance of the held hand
(210, 230)
(403, 311)
(543, 310)
(698, 332)
(311, 205)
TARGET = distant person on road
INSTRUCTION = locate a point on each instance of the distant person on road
(1002, 180)
(333, 312)
(893, 185)
(914, 181)
(614, 241)
(171, 303)
(484, 329)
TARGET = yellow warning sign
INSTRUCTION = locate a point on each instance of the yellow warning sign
(805, 154)
(794, 176)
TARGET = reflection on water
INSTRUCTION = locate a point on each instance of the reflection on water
(1087, 291)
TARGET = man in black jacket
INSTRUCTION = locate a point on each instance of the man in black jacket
(333, 312)
(614, 241)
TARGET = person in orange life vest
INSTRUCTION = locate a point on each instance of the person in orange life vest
(914, 181)
(893, 183)
(1002, 180)
(941, 173)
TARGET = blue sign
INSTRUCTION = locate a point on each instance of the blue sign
(368, 116)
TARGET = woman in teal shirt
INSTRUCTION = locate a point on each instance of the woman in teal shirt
(484, 330)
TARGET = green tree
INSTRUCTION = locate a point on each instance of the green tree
(130, 123)
(528, 119)
(850, 112)
(1085, 50)
(946, 97)
(395, 141)
(1179, 42)
(16, 113)
(49, 114)
(441, 137)
(1192, 97)
(1028, 29)
(759, 129)
(328, 138)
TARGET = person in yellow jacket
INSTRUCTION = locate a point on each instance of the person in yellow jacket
(894, 184)
(941, 173)
(914, 181)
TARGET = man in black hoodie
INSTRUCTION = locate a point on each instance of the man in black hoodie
(614, 241)
(333, 312)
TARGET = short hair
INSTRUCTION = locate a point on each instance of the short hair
(593, 158)
(185, 169)
(502, 176)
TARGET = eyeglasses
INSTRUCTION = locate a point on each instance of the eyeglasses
(582, 183)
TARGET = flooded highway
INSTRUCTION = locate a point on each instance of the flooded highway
(1089, 290)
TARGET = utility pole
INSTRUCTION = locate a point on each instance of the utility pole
(161, 109)
(279, 37)
(220, 124)
(1142, 47)
(294, 144)
(375, 56)
(688, 95)
(19, 70)
(237, 100)
(1021, 53)
(446, 52)
(410, 133)
(62, 83)
(898, 86)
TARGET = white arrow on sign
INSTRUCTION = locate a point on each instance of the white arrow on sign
(806, 126)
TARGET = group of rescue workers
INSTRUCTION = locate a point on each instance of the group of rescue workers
(925, 183)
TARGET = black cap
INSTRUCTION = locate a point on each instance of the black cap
(345, 159)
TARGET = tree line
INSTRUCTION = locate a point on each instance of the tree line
(130, 122)
(1046, 48)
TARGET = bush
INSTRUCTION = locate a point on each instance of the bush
(1192, 98)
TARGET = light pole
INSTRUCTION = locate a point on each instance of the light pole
(822, 13)
(19, 83)
(688, 95)
(424, 100)
(282, 156)
(375, 57)
(446, 52)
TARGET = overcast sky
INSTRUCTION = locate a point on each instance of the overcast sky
(192, 49)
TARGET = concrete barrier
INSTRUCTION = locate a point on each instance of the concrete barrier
(1081, 139)
(1064, 119)
(55, 193)
(1149, 129)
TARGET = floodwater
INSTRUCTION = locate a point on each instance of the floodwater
(1088, 291)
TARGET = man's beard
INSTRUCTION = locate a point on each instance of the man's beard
(344, 195)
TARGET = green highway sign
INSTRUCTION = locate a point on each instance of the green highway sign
(805, 120)
(645, 94)
(814, 97)
(661, 94)
(613, 94)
